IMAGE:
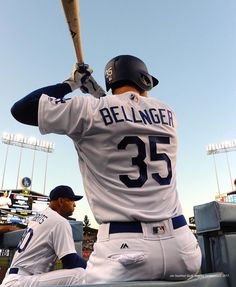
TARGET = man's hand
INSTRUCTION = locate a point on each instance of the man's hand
(90, 86)
(80, 73)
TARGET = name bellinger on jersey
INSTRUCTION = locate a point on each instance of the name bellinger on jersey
(150, 116)
(126, 144)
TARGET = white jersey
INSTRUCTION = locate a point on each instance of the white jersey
(47, 237)
(127, 153)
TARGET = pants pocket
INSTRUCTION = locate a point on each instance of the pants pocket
(190, 252)
(128, 258)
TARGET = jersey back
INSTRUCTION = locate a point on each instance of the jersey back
(47, 237)
(127, 153)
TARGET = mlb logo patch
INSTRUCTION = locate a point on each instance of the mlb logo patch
(158, 229)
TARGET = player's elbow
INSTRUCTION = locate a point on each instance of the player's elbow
(73, 260)
(24, 114)
(15, 112)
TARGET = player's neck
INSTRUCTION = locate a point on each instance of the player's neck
(128, 88)
(54, 206)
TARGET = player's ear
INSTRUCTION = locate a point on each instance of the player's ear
(60, 201)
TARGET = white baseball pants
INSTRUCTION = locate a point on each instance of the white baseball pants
(158, 252)
(54, 278)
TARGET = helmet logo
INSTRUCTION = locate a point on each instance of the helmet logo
(146, 80)
(109, 74)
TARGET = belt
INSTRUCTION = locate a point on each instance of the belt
(13, 271)
(136, 227)
(20, 271)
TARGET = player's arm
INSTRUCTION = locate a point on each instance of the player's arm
(81, 77)
(73, 260)
(26, 109)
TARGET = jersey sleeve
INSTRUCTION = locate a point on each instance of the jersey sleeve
(62, 239)
(63, 116)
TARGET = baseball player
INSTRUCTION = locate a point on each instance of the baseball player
(126, 144)
(48, 236)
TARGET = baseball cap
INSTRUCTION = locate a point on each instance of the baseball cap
(63, 191)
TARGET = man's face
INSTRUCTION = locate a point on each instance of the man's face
(67, 207)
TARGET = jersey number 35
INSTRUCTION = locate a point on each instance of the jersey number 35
(140, 163)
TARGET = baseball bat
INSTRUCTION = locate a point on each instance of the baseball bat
(71, 11)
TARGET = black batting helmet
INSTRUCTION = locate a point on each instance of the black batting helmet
(128, 69)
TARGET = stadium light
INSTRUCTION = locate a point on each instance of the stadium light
(30, 143)
(27, 142)
(224, 147)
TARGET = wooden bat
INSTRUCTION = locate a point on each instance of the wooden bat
(71, 11)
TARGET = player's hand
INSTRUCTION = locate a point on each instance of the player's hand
(79, 74)
(90, 86)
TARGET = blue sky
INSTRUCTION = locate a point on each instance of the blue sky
(188, 45)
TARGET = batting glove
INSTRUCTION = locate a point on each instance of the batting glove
(80, 73)
(90, 86)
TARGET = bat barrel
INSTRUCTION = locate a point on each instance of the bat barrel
(71, 11)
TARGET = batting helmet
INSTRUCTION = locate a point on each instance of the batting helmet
(128, 69)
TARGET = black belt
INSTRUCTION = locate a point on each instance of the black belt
(136, 227)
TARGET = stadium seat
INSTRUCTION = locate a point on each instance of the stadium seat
(216, 232)
(206, 280)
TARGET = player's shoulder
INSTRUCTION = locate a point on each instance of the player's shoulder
(159, 103)
(93, 103)
(53, 215)
(55, 218)
(156, 100)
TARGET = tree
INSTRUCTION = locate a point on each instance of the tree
(86, 223)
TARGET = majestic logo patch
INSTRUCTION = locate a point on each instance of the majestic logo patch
(124, 245)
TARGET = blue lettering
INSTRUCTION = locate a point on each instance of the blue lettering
(115, 114)
(161, 111)
(134, 117)
(145, 117)
(125, 116)
(170, 117)
(106, 116)
(154, 117)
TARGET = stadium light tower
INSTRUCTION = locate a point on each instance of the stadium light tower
(223, 147)
(26, 142)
